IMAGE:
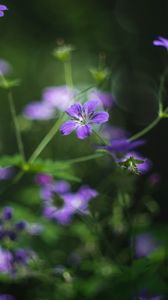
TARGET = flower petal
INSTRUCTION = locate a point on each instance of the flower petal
(75, 110)
(83, 131)
(100, 117)
(67, 127)
(90, 106)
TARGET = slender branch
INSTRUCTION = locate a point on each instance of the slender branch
(68, 73)
(17, 128)
(145, 130)
(46, 139)
(85, 158)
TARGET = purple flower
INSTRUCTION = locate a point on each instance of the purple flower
(49, 191)
(43, 179)
(6, 297)
(135, 163)
(5, 67)
(79, 201)
(60, 97)
(163, 42)
(114, 133)
(6, 173)
(60, 205)
(34, 229)
(8, 228)
(123, 145)
(23, 256)
(104, 99)
(2, 9)
(83, 117)
(5, 261)
(145, 244)
(38, 111)
(7, 213)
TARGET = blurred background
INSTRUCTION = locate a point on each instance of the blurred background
(123, 31)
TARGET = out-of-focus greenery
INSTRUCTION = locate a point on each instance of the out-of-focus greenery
(93, 250)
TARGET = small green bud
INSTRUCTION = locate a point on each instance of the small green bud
(131, 165)
(8, 83)
(63, 53)
(99, 75)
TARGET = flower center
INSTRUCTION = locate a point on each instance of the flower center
(58, 201)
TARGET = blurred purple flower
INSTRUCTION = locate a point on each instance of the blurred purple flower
(38, 111)
(23, 256)
(114, 133)
(123, 145)
(2, 9)
(5, 261)
(34, 229)
(43, 179)
(79, 200)
(145, 244)
(60, 97)
(8, 228)
(5, 67)
(6, 297)
(49, 191)
(161, 41)
(83, 117)
(6, 173)
(7, 213)
(104, 99)
(61, 205)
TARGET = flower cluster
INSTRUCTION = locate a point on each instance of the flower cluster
(60, 204)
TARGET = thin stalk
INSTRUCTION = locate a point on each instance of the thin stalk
(16, 125)
(68, 73)
(84, 158)
(146, 129)
(46, 139)
(99, 137)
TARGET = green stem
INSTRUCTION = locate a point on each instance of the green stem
(46, 139)
(99, 137)
(68, 73)
(17, 128)
(145, 130)
(84, 158)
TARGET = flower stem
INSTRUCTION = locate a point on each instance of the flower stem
(46, 139)
(84, 158)
(17, 128)
(68, 73)
(146, 129)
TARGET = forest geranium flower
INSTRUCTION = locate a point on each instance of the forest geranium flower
(161, 41)
(60, 204)
(2, 9)
(135, 163)
(83, 117)
(38, 111)
(123, 145)
(60, 97)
